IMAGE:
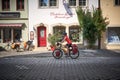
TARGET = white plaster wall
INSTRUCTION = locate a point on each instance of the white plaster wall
(38, 15)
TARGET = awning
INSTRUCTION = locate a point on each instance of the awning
(11, 24)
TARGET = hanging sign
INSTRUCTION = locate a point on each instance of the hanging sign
(31, 35)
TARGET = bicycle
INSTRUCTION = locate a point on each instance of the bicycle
(73, 51)
(8, 46)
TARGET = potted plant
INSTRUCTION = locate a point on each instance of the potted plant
(53, 38)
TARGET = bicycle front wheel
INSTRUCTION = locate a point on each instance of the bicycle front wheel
(7, 47)
(57, 53)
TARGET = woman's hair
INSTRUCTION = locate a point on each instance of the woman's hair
(64, 33)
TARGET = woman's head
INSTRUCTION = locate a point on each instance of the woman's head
(64, 33)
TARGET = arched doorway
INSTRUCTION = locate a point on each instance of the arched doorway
(41, 32)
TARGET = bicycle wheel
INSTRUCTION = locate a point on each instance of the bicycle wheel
(74, 53)
(7, 47)
(17, 48)
(57, 53)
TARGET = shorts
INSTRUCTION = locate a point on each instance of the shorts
(69, 45)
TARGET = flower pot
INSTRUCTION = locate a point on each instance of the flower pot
(52, 48)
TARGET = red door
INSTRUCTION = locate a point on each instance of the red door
(41, 36)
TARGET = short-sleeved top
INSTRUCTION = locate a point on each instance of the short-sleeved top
(66, 38)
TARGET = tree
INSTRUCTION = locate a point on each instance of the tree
(89, 29)
(92, 24)
(100, 23)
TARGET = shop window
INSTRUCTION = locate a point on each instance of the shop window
(20, 4)
(74, 33)
(17, 35)
(5, 5)
(48, 3)
(6, 35)
(0, 36)
(114, 35)
(10, 34)
(117, 2)
(59, 30)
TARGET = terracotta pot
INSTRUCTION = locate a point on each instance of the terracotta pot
(52, 48)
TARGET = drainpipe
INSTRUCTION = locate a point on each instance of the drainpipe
(99, 39)
(99, 4)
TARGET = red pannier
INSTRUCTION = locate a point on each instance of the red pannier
(75, 48)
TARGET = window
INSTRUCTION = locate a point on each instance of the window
(117, 2)
(114, 35)
(0, 36)
(82, 2)
(9, 34)
(48, 3)
(53, 3)
(43, 3)
(6, 34)
(74, 33)
(5, 4)
(72, 2)
(60, 30)
(77, 3)
(20, 4)
(17, 34)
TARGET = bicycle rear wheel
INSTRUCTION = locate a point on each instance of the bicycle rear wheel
(74, 53)
(57, 53)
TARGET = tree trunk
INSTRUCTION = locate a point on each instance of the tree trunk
(99, 43)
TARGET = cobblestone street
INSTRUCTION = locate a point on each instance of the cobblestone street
(89, 66)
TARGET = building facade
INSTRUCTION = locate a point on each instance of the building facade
(111, 10)
(13, 20)
(36, 19)
(51, 16)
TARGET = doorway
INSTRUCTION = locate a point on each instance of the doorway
(41, 32)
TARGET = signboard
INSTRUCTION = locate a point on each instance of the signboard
(9, 14)
(31, 35)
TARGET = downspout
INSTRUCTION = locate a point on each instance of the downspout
(99, 4)
(99, 38)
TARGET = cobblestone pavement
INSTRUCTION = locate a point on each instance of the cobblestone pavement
(91, 65)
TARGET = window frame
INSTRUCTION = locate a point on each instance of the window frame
(118, 2)
(82, 3)
(54, 2)
(73, 5)
(60, 30)
(75, 33)
(48, 4)
(6, 7)
(20, 7)
(77, 3)
(0, 35)
(112, 35)
(7, 35)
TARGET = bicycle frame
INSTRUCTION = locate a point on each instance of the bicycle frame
(62, 47)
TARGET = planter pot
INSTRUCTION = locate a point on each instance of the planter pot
(52, 48)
